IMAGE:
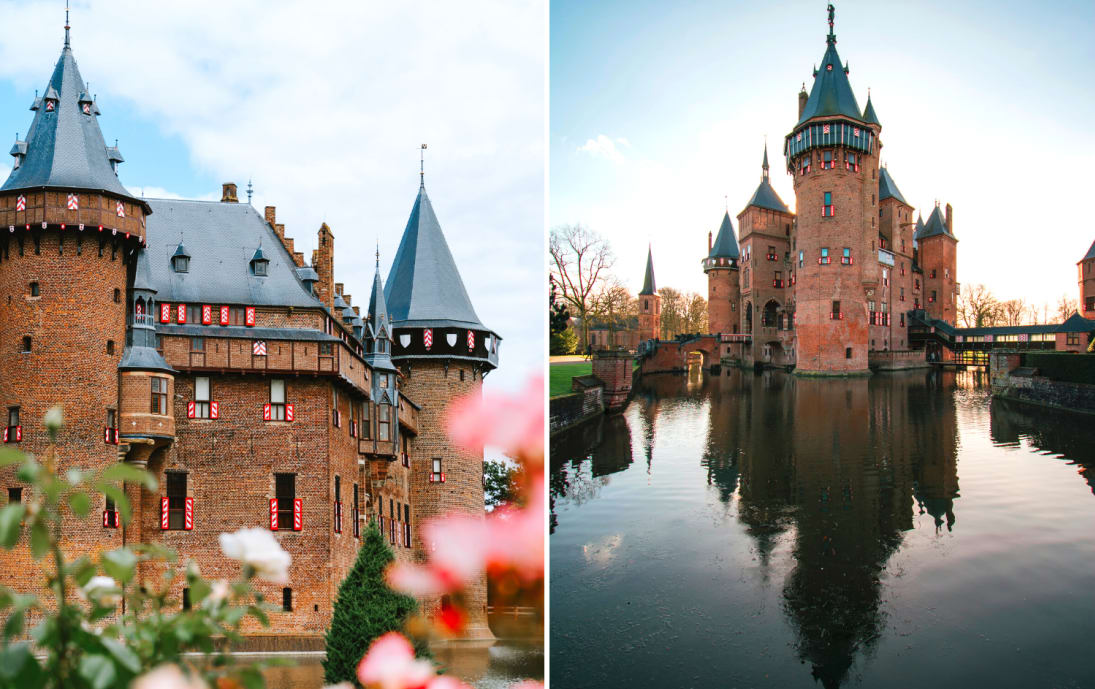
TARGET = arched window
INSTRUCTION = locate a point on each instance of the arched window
(748, 317)
(771, 314)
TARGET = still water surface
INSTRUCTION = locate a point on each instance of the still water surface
(758, 530)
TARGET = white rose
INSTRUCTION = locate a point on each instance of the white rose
(218, 591)
(103, 590)
(259, 549)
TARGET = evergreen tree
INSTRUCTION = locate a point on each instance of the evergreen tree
(364, 610)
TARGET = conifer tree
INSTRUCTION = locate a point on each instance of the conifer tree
(364, 610)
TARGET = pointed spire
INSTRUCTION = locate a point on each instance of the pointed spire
(764, 165)
(250, 190)
(831, 38)
(726, 244)
(66, 25)
(422, 167)
(765, 196)
(831, 93)
(869, 115)
(649, 286)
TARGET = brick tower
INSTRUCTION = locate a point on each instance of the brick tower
(443, 352)
(71, 234)
(650, 304)
(937, 253)
(723, 288)
(832, 152)
(1086, 268)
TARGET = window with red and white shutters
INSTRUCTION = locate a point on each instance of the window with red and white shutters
(273, 514)
(181, 311)
(249, 315)
(165, 313)
(164, 513)
(298, 514)
(188, 514)
(224, 315)
(207, 314)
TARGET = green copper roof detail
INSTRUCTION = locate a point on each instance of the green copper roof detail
(726, 244)
(648, 280)
(869, 115)
(887, 188)
(831, 94)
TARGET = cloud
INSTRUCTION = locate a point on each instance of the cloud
(605, 147)
(325, 105)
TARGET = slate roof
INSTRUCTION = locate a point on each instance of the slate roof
(649, 286)
(424, 288)
(726, 244)
(831, 93)
(1090, 253)
(869, 115)
(221, 239)
(935, 225)
(887, 188)
(65, 148)
(1074, 324)
(379, 325)
(766, 197)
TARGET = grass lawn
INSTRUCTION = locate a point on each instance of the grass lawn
(560, 374)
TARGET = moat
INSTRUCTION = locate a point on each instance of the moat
(761, 530)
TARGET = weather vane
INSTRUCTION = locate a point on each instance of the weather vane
(421, 170)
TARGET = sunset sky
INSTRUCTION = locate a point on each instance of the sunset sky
(659, 112)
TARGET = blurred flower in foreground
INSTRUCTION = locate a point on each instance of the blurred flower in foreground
(390, 664)
(258, 549)
(101, 590)
(167, 677)
(515, 424)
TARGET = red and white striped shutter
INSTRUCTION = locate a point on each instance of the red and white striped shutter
(214, 410)
(298, 514)
(18, 434)
(266, 412)
(191, 410)
(181, 313)
(288, 412)
(442, 477)
(163, 513)
(273, 514)
(249, 315)
(188, 520)
(431, 477)
(106, 436)
(224, 315)
(207, 314)
(165, 313)
(106, 519)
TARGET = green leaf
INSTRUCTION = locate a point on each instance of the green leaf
(115, 493)
(80, 504)
(123, 654)
(39, 539)
(131, 474)
(13, 626)
(82, 570)
(11, 518)
(19, 667)
(251, 677)
(120, 564)
(28, 471)
(98, 670)
(259, 615)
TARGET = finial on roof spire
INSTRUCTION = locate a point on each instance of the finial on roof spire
(764, 165)
(421, 167)
(378, 255)
(250, 190)
(831, 38)
(66, 24)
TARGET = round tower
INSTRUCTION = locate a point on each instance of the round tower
(723, 287)
(70, 237)
(443, 352)
(650, 303)
(832, 153)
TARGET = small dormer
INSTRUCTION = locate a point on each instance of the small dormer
(86, 103)
(180, 260)
(37, 104)
(19, 152)
(259, 263)
(51, 99)
(114, 156)
(308, 276)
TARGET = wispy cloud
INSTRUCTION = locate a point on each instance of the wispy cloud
(605, 147)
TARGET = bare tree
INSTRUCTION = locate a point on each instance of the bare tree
(580, 260)
(673, 310)
(1066, 306)
(977, 307)
(696, 313)
(613, 305)
(1014, 311)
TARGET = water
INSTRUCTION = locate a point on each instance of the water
(496, 667)
(746, 530)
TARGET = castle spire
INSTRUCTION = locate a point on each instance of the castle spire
(66, 25)
(649, 287)
(764, 165)
(422, 167)
(831, 38)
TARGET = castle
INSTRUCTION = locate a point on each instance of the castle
(820, 288)
(190, 338)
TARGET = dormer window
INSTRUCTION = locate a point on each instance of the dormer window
(180, 264)
(259, 263)
(51, 105)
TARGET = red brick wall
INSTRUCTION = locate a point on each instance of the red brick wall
(760, 229)
(723, 294)
(1086, 271)
(938, 253)
(650, 316)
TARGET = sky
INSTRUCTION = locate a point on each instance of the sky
(324, 106)
(659, 113)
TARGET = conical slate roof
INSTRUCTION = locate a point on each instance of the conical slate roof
(379, 326)
(887, 188)
(142, 277)
(424, 288)
(765, 196)
(726, 244)
(649, 287)
(869, 115)
(831, 94)
(65, 148)
(935, 225)
(1090, 253)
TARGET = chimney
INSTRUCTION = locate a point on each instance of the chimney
(271, 214)
(802, 98)
(357, 310)
(950, 227)
(347, 298)
(228, 193)
(279, 229)
(338, 288)
(709, 242)
(298, 258)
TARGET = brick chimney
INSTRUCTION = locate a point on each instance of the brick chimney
(949, 220)
(228, 193)
(271, 214)
(323, 262)
(338, 288)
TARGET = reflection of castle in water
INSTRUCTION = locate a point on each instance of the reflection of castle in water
(837, 463)
(1048, 430)
(604, 442)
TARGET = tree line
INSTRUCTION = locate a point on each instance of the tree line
(978, 307)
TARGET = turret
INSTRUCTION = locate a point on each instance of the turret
(937, 257)
(723, 290)
(1086, 268)
(650, 303)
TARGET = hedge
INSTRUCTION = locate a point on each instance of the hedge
(1063, 366)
